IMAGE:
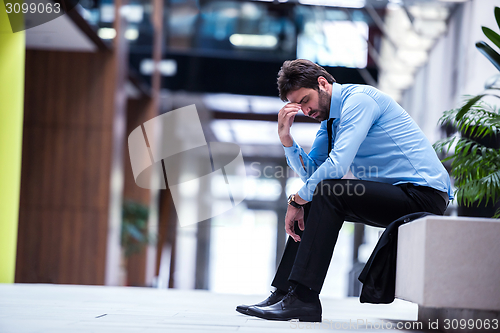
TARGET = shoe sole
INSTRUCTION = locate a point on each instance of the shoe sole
(312, 319)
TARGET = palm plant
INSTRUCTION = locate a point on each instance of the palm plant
(476, 158)
(475, 161)
(134, 233)
(485, 49)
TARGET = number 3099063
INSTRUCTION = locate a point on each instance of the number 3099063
(32, 8)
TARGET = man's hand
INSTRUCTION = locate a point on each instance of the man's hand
(294, 214)
(285, 121)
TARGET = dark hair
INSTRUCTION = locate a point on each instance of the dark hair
(300, 73)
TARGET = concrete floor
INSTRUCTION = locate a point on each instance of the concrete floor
(63, 308)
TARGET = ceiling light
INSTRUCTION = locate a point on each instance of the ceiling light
(167, 67)
(254, 41)
(438, 12)
(227, 102)
(414, 58)
(107, 13)
(131, 34)
(429, 28)
(269, 105)
(400, 80)
(335, 3)
(147, 66)
(133, 13)
(106, 33)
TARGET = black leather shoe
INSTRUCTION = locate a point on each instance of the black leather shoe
(274, 298)
(290, 307)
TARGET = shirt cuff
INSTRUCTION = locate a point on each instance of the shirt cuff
(305, 194)
(293, 150)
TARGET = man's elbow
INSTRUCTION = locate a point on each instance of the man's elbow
(337, 171)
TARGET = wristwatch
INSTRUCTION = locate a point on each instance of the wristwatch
(291, 201)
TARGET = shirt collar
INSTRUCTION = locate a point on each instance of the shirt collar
(336, 100)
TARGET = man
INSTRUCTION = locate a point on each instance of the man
(372, 136)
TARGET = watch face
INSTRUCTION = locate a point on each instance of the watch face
(291, 201)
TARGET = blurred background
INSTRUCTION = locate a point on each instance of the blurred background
(94, 75)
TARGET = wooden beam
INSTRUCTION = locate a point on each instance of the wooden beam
(257, 116)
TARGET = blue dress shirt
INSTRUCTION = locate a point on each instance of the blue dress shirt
(375, 138)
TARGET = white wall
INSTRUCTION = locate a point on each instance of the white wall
(455, 67)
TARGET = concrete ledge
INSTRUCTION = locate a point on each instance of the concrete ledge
(450, 263)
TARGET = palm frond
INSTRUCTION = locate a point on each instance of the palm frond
(475, 166)
(497, 15)
(464, 109)
(473, 160)
(481, 119)
(444, 145)
(487, 188)
(492, 35)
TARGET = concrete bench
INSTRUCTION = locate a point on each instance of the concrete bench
(450, 267)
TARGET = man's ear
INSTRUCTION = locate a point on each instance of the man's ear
(322, 82)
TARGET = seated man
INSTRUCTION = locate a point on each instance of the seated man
(362, 130)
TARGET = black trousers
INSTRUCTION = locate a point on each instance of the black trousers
(372, 203)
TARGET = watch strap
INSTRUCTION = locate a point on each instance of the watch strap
(291, 201)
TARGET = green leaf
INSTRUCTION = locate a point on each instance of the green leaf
(135, 233)
(489, 53)
(493, 36)
(497, 15)
(464, 109)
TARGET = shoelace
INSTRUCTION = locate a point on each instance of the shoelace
(273, 293)
(289, 295)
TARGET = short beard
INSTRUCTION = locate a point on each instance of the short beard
(324, 101)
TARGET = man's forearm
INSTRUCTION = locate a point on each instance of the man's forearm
(286, 140)
(295, 154)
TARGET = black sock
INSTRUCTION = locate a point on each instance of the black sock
(305, 294)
